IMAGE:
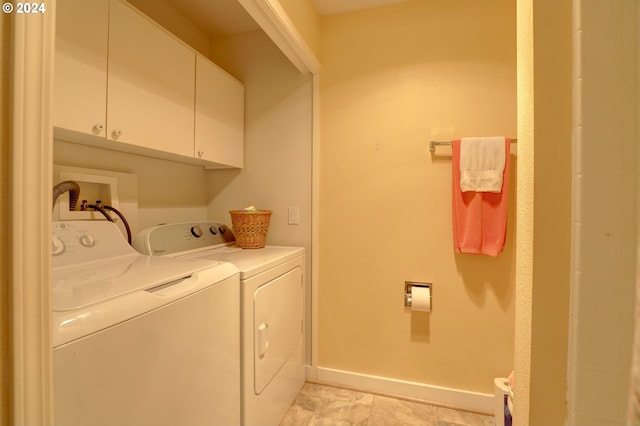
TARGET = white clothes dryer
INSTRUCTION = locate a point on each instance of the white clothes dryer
(141, 340)
(272, 310)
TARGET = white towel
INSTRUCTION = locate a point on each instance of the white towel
(482, 164)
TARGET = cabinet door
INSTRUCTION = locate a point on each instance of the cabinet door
(150, 84)
(80, 80)
(219, 128)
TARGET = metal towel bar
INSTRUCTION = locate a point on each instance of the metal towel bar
(433, 144)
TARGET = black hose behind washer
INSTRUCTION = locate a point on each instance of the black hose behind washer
(102, 208)
(99, 207)
(124, 221)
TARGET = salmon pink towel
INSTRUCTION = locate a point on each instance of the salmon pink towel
(479, 218)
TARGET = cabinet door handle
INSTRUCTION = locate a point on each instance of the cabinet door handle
(116, 133)
(200, 154)
(98, 128)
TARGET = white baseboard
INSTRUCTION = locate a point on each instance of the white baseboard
(436, 395)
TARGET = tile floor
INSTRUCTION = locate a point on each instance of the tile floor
(330, 406)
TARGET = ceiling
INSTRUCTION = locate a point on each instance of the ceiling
(225, 17)
(331, 7)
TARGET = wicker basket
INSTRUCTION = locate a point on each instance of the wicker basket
(250, 227)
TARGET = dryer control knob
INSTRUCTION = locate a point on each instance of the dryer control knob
(213, 230)
(222, 229)
(196, 231)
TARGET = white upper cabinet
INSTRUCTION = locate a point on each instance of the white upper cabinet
(219, 126)
(151, 83)
(80, 78)
(123, 82)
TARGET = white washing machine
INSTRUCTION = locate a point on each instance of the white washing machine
(141, 340)
(272, 309)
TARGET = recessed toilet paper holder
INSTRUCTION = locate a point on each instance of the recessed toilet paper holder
(407, 290)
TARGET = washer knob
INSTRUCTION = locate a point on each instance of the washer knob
(222, 229)
(87, 240)
(57, 246)
(196, 231)
(213, 230)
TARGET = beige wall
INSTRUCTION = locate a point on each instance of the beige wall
(552, 50)
(524, 240)
(391, 79)
(5, 227)
(605, 228)
(544, 210)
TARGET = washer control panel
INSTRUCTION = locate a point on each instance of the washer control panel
(80, 241)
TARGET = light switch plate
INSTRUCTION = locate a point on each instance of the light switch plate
(294, 216)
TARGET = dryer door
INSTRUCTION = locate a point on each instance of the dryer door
(278, 310)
